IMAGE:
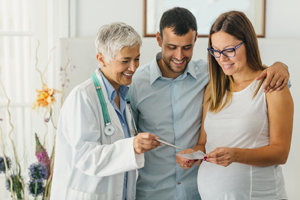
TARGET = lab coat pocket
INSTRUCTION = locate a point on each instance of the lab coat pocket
(78, 195)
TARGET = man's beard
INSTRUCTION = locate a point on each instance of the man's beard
(169, 65)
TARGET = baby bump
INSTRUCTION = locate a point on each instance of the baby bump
(218, 182)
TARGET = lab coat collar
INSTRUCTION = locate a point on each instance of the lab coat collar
(155, 72)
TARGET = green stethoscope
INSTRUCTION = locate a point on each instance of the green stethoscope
(108, 129)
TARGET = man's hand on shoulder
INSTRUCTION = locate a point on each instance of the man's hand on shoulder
(277, 76)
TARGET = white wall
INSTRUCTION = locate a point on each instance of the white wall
(282, 20)
(91, 15)
(282, 17)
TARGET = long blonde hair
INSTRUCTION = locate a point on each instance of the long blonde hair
(238, 25)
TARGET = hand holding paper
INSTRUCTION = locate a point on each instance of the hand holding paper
(193, 156)
(187, 158)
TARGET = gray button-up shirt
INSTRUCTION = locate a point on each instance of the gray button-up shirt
(172, 110)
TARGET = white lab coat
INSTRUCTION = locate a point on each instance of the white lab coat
(90, 165)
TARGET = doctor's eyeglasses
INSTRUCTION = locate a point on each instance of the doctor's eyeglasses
(230, 52)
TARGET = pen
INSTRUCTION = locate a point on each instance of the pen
(167, 143)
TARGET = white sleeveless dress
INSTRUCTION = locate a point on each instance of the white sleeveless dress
(243, 123)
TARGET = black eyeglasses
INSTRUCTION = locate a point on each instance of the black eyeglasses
(230, 52)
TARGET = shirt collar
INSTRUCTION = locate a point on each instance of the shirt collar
(190, 69)
(111, 92)
(155, 72)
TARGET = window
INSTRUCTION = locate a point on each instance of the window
(22, 24)
(15, 59)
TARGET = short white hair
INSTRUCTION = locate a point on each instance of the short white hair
(112, 38)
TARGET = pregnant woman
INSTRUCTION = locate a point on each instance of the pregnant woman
(246, 133)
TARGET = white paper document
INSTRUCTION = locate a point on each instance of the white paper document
(193, 156)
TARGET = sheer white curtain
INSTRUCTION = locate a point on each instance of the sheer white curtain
(15, 59)
(22, 23)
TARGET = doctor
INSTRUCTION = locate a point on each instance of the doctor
(96, 158)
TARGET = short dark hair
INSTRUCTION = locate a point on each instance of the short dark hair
(180, 19)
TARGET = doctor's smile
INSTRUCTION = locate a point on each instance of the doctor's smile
(129, 76)
(120, 69)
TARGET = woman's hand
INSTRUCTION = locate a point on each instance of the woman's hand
(223, 156)
(184, 162)
(144, 142)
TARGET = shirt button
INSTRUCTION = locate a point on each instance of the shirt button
(175, 101)
(177, 122)
(178, 183)
(123, 124)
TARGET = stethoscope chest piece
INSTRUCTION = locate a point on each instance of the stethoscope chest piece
(109, 130)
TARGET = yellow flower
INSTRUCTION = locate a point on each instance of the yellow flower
(45, 98)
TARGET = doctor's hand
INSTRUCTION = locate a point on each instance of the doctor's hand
(223, 156)
(184, 162)
(144, 142)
